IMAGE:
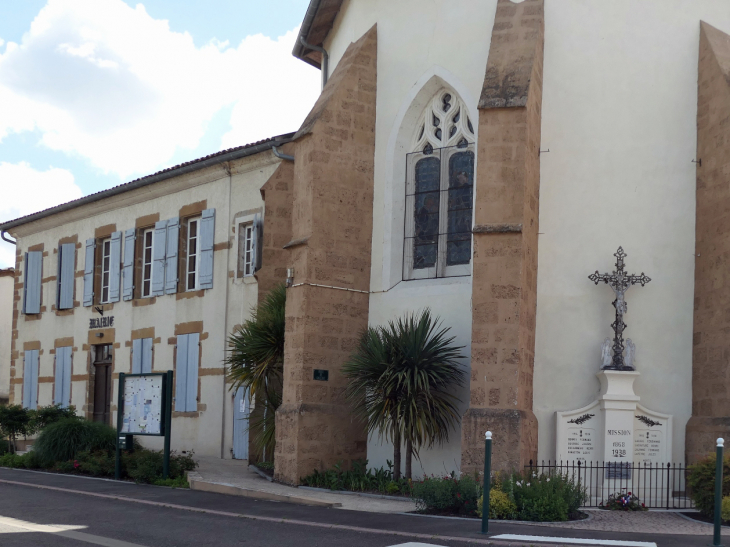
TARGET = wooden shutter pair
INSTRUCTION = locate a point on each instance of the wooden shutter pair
(30, 379)
(32, 282)
(115, 269)
(142, 356)
(62, 395)
(164, 260)
(186, 371)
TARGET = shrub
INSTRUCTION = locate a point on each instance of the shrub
(623, 502)
(358, 479)
(500, 506)
(15, 421)
(65, 439)
(46, 415)
(725, 512)
(4, 447)
(544, 497)
(180, 482)
(97, 463)
(146, 465)
(701, 480)
(447, 494)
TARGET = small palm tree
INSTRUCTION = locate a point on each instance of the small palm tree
(256, 361)
(401, 380)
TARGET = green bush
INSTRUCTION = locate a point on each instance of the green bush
(725, 511)
(500, 506)
(29, 460)
(47, 415)
(358, 479)
(180, 482)
(701, 481)
(544, 497)
(447, 494)
(15, 421)
(146, 465)
(4, 447)
(65, 439)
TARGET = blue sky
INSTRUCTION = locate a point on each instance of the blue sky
(94, 93)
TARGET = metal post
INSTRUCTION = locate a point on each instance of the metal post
(487, 481)
(718, 493)
(120, 410)
(168, 425)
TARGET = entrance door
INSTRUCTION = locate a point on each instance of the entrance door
(103, 383)
(240, 424)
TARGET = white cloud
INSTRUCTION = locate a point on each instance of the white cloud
(108, 82)
(26, 191)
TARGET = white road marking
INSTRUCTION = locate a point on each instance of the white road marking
(411, 544)
(13, 526)
(578, 541)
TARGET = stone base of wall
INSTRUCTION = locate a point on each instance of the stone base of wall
(315, 436)
(514, 439)
(701, 435)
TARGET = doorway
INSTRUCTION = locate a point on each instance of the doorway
(103, 383)
(241, 411)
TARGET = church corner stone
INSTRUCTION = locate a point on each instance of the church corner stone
(710, 386)
(503, 326)
(331, 224)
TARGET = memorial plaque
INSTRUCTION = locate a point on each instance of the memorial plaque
(652, 437)
(578, 438)
(581, 443)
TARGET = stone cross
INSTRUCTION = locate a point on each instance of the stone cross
(619, 281)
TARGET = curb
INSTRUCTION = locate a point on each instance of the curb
(197, 483)
(259, 472)
(350, 493)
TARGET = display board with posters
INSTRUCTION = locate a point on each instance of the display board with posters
(142, 409)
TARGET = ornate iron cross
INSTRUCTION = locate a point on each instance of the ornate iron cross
(619, 281)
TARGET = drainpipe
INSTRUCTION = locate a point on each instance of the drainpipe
(281, 155)
(325, 58)
(5, 238)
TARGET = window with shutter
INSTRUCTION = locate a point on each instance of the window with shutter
(65, 283)
(115, 266)
(147, 253)
(173, 234)
(128, 265)
(186, 371)
(32, 282)
(158, 255)
(106, 261)
(142, 356)
(30, 379)
(62, 391)
(192, 270)
(246, 249)
(89, 272)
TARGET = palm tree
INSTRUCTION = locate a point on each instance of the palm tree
(255, 361)
(401, 380)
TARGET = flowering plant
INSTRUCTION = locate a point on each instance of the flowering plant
(625, 501)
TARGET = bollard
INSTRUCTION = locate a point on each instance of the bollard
(718, 493)
(487, 481)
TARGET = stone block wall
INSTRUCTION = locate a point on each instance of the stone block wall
(332, 211)
(711, 352)
(504, 289)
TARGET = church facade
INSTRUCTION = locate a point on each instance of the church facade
(481, 159)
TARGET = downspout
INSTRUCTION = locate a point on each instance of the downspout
(325, 58)
(281, 155)
(4, 237)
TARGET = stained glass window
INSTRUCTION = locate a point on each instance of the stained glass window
(461, 185)
(426, 212)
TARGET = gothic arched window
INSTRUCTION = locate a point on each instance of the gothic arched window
(439, 191)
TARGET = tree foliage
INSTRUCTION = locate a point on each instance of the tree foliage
(401, 382)
(255, 361)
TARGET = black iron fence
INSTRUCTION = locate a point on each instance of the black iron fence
(658, 486)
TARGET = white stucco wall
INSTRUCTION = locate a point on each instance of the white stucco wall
(235, 197)
(6, 327)
(619, 118)
(619, 115)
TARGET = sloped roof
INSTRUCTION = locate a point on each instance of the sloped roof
(318, 22)
(186, 167)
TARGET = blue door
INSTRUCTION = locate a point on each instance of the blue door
(241, 409)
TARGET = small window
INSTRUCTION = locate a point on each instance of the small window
(147, 243)
(246, 249)
(106, 252)
(193, 256)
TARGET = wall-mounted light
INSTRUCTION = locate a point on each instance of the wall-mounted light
(289, 277)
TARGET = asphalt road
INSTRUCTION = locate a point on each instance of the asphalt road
(83, 512)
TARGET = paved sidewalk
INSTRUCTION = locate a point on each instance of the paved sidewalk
(234, 477)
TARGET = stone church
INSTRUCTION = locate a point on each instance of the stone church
(478, 158)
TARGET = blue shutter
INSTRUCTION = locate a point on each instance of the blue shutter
(146, 355)
(30, 379)
(63, 377)
(191, 399)
(128, 268)
(181, 373)
(115, 267)
(158, 255)
(32, 282)
(89, 272)
(186, 384)
(137, 356)
(173, 234)
(207, 237)
(66, 271)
